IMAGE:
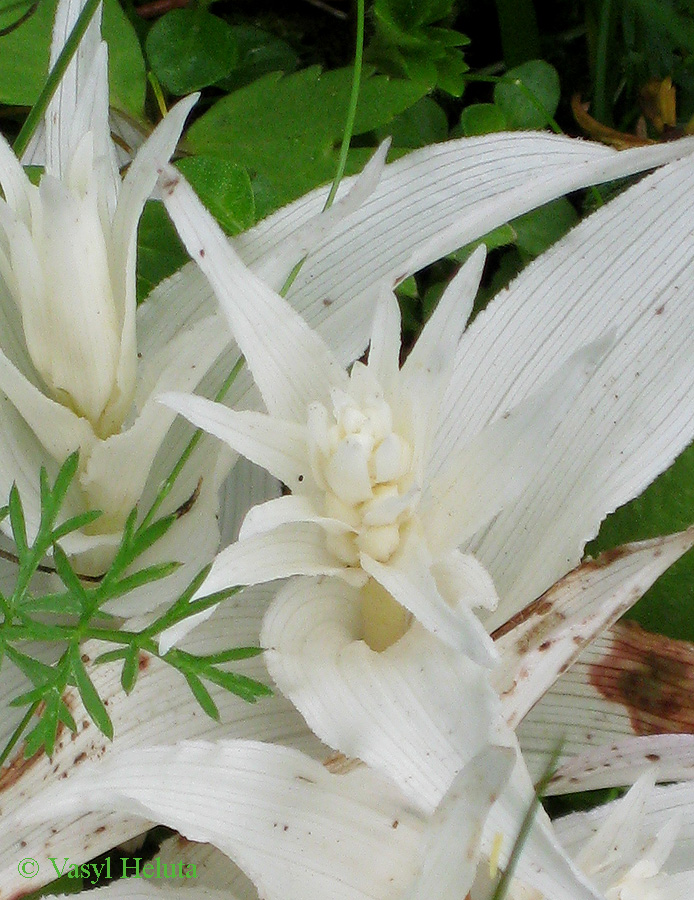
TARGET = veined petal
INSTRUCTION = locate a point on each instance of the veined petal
(276, 445)
(285, 510)
(453, 848)
(436, 347)
(399, 710)
(274, 268)
(559, 625)
(632, 418)
(626, 682)
(246, 486)
(296, 830)
(482, 478)
(384, 349)
(135, 189)
(160, 705)
(294, 369)
(461, 579)
(671, 756)
(438, 198)
(294, 549)
(543, 864)
(408, 579)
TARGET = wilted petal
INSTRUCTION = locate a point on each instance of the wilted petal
(551, 634)
(627, 682)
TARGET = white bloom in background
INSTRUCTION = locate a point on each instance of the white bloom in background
(71, 375)
(636, 848)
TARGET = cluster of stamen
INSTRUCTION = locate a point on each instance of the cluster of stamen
(365, 469)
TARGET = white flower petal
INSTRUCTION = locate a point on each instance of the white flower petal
(297, 831)
(543, 864)
(556, 628)
(290, 374)
(463, 581)
(275, 267)
(118, 467)
(399, 711)
(384, 350)
(620, 763)
(483, 477)
(632, 418)
(279, 446)
(454, 842)
(284, 510)
(246, 486)
(437, 345)
(134, 191)
(408, 579)
(444, 195)
(293, 549)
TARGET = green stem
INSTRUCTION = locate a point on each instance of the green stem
(55, 76)
(600, 110)
(18, 732)
(527, 823)
(346, 135)
(167, 486)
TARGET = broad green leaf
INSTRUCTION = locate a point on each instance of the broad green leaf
(665, 506)
(300, 118)
(17, 521)
(24, 59)
(410, 14)
(190, 49)
(259, 53)
(160, 253)
(422, 124)
(529, 94)
(225, 189)
(482, 118)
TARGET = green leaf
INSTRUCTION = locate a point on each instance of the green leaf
(300, 118)
(155, 572)
(24, 59)
(18, 522)
(190, 49)
(246, 688)
(69, 578)
(665, 506)
(75, 523)
(520, 38)
(482, 118)
(422, 124)
(160, 253)
(202, 695)
(37, 672)
(93, 703)
(225, 189)
(64, 478)
(539, 229)
(259, 53)
(529, 94)
(128, 676)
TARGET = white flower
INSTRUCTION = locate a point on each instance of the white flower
(635, 848)
(424, 206)
(78, 364)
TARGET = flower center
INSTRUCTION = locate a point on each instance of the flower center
(365, 469)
